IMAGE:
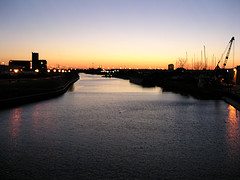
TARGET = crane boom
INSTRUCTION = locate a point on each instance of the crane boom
(228, 52)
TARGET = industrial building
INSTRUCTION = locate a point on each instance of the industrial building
(24, 65)
(37, 64)
(21, 65)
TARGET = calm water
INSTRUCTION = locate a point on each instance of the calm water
(108, 128)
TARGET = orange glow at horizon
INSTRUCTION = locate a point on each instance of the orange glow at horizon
(117, 61)
(86, 60)
(94, 59)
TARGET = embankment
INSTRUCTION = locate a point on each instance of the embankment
(196, 83)
(16, 91)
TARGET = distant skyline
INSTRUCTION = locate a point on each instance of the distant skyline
(119, 33)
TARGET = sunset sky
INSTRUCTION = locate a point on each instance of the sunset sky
(119, 33)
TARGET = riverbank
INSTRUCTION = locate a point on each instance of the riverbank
(197, 83)
(190, 86)
(21, 90)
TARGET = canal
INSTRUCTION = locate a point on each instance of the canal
(105, 128)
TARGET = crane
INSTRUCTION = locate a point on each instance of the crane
(227, 55)
(228, 52)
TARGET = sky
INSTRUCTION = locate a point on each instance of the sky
(120, 33)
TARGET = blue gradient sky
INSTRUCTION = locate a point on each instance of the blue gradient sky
(114, 33)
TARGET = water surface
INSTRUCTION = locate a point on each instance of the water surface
(108, 128)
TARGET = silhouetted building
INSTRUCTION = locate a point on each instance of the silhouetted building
(170, 67)
(41, 65)
(238, 75)
(35, 56)
(4, 68)
(19, 64)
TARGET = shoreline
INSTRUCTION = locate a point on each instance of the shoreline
(24, 91)
(228, 95)
(232, 102)
(196, 83)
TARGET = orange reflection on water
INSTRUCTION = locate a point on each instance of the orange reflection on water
(38, 121)
(15, 123)
(233, 132)
(36, 118)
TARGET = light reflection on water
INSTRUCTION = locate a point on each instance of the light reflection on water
(113, 85)
(109, 128)
(15, 122)
(233, 133)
